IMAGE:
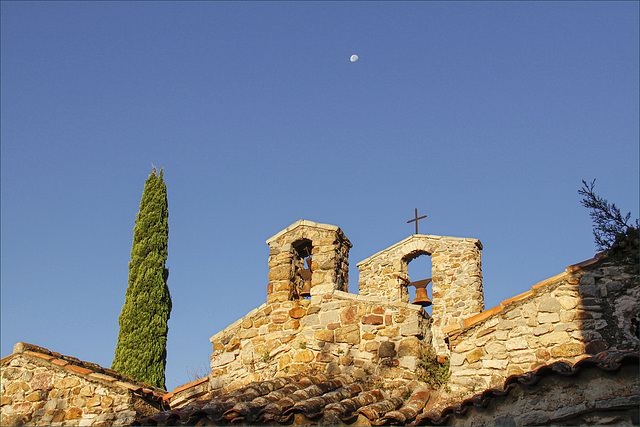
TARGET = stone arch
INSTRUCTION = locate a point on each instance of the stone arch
(329, 249)
(411, 259)
(456, 280)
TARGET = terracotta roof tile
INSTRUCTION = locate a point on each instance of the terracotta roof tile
(333, 399)
(79, 369)
(59, 362)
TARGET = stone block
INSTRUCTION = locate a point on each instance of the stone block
(303, 356)
(349, 315)
(410, 328)
(371, 346)
(549, 318)
(372, 319)
(390, 331)
(567, 350)
(457, 359)
(494, 364)
(42, 381)
(310, 320)
(327, 317)
(549, 305)
(516, 344)
(324, 335)
(553, 338)
(475, 355)
(73, 414)
(348, 334)
(387, 349)
(297, 312)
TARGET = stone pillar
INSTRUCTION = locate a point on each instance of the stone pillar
(329, 248)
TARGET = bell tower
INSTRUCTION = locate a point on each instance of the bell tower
(307, 259)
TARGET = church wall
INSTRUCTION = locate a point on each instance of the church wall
(332, 333)
(35, 393)
(581, 312)
(592, 397)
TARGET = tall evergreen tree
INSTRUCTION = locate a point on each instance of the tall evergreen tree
(142, 341)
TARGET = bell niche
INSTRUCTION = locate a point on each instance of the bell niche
(307, 259)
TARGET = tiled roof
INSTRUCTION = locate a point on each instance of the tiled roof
(606, 361)
(340, 400)
(334, 399)
(88, 370)
(465, 323)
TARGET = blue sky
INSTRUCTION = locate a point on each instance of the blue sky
(485, 116)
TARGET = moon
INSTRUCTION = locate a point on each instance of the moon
(353, 58)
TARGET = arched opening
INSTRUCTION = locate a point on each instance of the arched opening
(302, 269)
(419, 268)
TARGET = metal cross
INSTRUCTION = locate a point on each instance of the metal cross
(416, 220)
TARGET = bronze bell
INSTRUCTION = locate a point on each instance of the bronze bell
(421, 298)
(421, 292)
(306, 289)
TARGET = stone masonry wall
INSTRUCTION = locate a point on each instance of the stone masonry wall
(456, 273)
(330, 260)
(579, 312)
(35, 394)
(334, 333)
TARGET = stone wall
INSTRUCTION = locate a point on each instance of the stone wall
(590, 396)
(334, 333)
(581, 311)
(35, 392)
(330, 266)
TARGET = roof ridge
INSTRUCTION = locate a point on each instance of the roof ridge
(458, 327)
(90, 369)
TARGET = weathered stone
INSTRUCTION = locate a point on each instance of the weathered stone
(567, 350)
(543, 329)
(348, 334)
(42, 381)
(516, 344)
(457, 359)
(297, 312)
(15, 386)
(409, 346)
(543, 354)
(279, 316)
(368, 336)
(303, 356)
(372, 319)
(310, 319)
(390, 331)
(475, 355)
(93, 401)
(34, 397)
(323, 335)
(549, 318)
(494, 364)
(349, 315)
(371, 346)
(410, 328)
(247, 323)
(554, 338)
(73, 414)
(324, 357)
(327, 317)
(387, 349)
(550, 305)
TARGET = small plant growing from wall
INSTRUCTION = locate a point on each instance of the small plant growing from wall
(303, 345)
(432, 372)
(266, 357)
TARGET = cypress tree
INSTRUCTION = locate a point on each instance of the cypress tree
(142, 340)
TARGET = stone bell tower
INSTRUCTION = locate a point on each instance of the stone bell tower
(325, 249)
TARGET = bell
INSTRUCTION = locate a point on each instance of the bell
(306, 289)
(421, 298)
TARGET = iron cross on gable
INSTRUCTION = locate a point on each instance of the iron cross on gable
(416, 220)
